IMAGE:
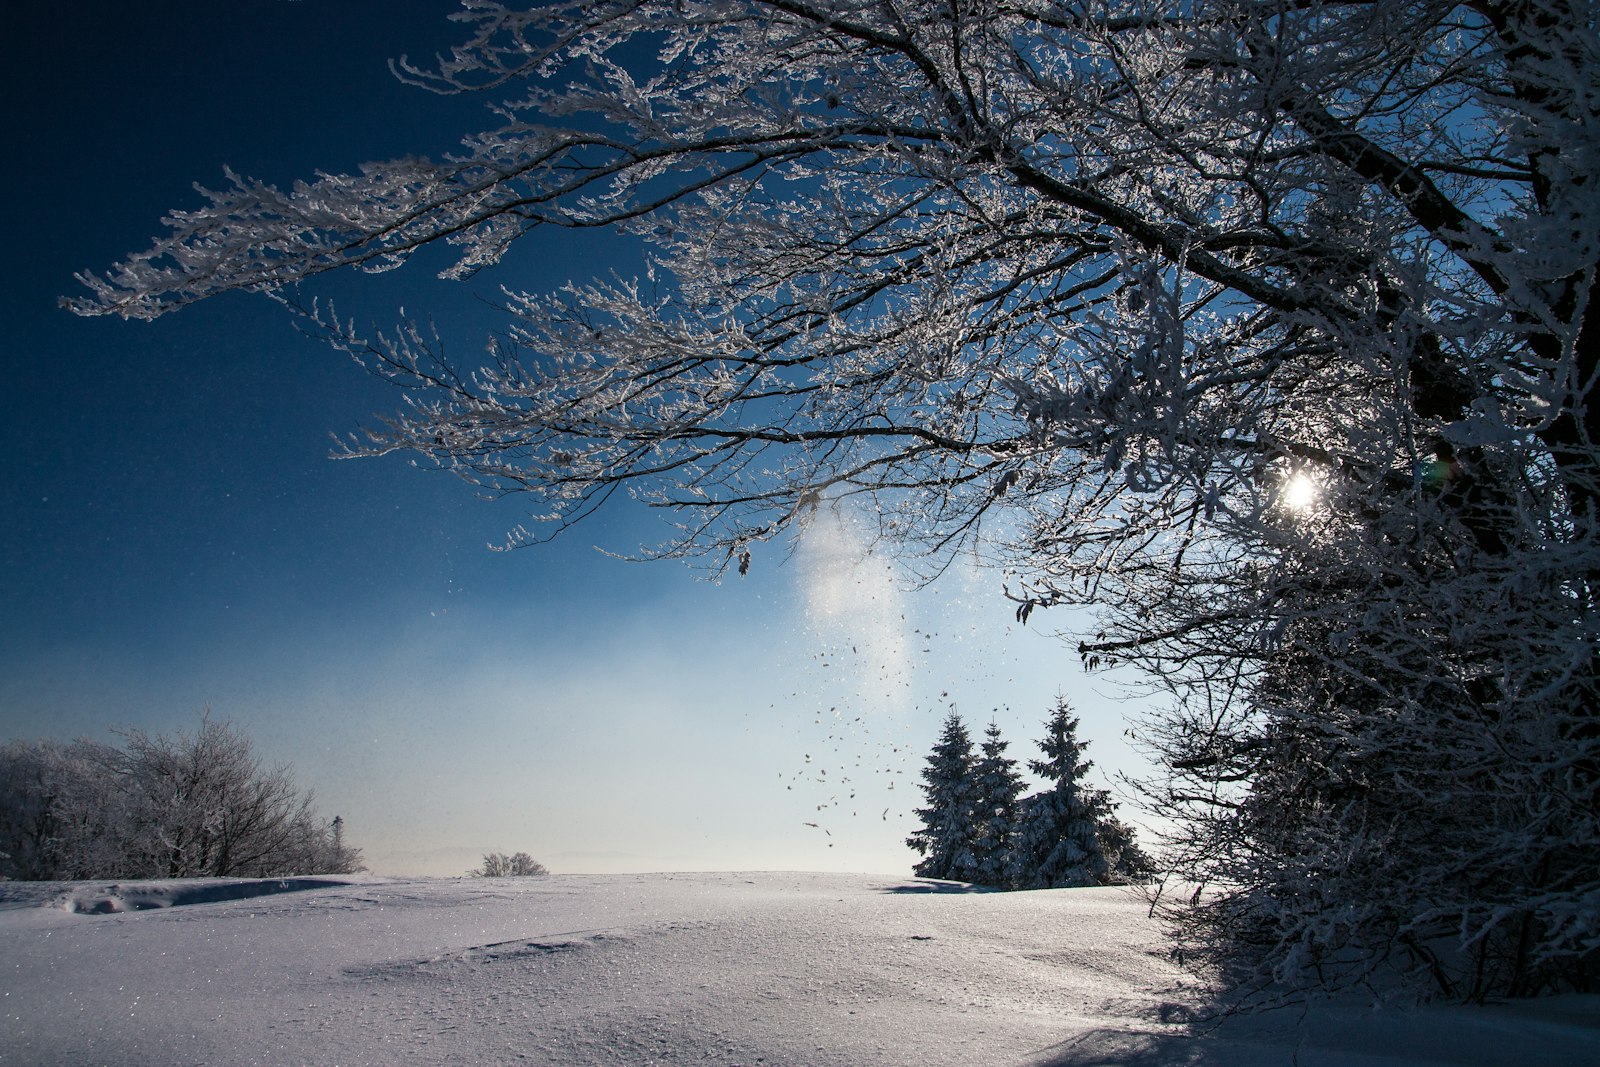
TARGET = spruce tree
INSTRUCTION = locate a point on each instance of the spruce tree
(1058, 842)
(997, 792)
(946, 839)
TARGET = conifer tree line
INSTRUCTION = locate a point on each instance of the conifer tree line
(978, 827)
(167, 806)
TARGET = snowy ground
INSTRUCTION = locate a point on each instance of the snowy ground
(769, 969)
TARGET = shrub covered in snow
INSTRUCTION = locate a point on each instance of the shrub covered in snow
(500, 865)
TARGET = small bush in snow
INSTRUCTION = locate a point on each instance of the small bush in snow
(500, 865)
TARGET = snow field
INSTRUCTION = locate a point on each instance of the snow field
(730, 969)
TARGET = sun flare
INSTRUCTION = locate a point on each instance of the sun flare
(1300, 493)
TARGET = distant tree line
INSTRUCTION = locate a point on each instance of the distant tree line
(180, 806)
(978, 827)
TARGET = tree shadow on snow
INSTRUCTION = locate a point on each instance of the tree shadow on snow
(1121, 1048)
(931, 886)
(121, 898)
(1564, 1032)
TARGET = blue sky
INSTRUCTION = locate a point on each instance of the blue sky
(175, 537)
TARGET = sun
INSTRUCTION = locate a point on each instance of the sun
(1299, 493)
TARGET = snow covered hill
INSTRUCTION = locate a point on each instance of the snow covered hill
(728, 969)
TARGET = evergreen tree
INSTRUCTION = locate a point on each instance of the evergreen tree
(997, 792)
(947, 836)
(1058, 841)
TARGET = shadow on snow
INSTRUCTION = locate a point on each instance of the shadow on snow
(148, 896)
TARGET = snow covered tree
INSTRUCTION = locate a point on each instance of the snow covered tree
(500, 865)
(62, 814)
(949, 829)
(1266, 328)
(1058, 837)
(997, 788)
(319, 847)
(208, 807)
(167, 806)
(25, 817)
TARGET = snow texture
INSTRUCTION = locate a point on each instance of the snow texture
(730, 969)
